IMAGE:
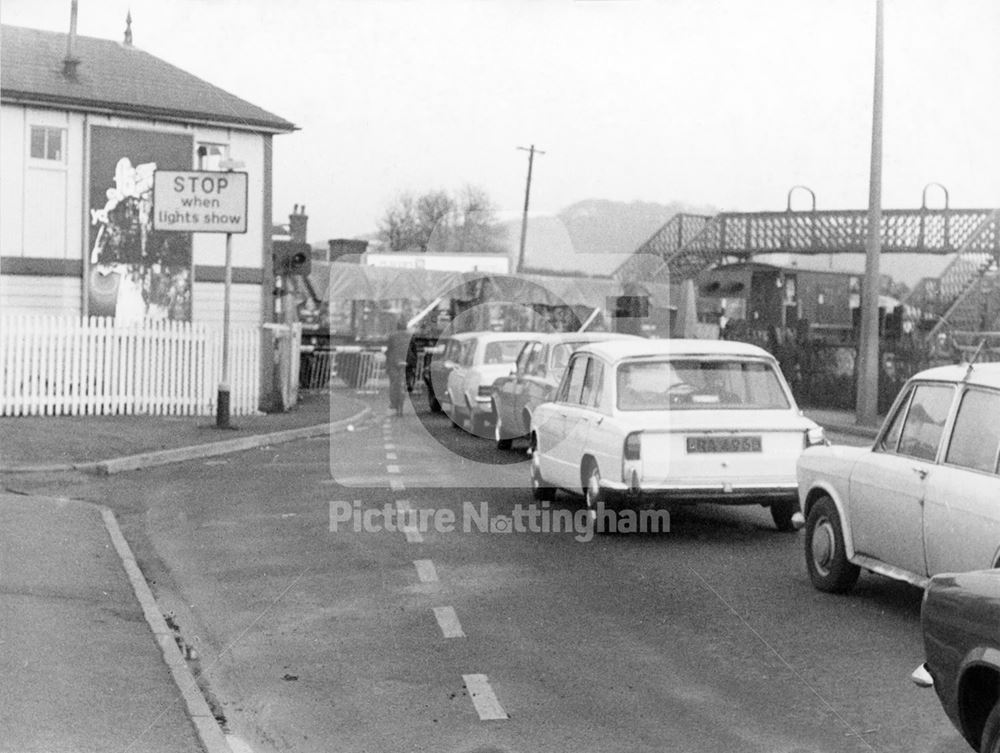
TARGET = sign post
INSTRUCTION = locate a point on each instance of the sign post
(206, 202)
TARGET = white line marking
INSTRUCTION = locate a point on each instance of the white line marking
(391, 456)
(413, 534)
(448, 622)
(483, 698)
(396, 485)
(392, 468)
(426, 571)
(389, 447)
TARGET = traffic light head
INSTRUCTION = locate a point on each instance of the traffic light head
(291, 257)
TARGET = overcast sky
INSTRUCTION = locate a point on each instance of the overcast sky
(727, 103)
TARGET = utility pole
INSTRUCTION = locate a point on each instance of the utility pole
(527, 194)
(868, 344)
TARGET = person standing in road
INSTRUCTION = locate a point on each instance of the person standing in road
(396, 355)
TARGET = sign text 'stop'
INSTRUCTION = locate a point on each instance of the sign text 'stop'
(197, 201)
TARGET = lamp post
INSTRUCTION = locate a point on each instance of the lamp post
(866, 409)
(222, 398)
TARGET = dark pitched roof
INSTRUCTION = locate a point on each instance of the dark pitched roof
(117, 78)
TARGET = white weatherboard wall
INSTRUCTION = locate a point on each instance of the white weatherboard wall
(244, 304)
(32, 295)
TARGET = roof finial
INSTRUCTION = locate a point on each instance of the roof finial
(128, 28)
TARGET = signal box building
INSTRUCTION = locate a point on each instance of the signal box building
(84, 122)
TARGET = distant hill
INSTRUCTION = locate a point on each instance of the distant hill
(591, 237)
(615, 227)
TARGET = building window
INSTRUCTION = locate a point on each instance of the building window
(47, 143)
(210, 156)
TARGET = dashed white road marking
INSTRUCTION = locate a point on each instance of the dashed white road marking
(392, 468)
(411, 532)
(391, 456)
(389, 447)
(426, 571)
(448, 622)
(483, 698)
(396, 485)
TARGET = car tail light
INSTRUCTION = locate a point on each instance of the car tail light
(633, 446)
(632, 460)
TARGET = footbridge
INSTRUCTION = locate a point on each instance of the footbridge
(689, 244)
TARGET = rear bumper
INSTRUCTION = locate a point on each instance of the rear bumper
(718, 493)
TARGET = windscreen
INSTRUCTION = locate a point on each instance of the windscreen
(693, 384)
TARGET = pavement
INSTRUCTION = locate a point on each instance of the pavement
(89, 662)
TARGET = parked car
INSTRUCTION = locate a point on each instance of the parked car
(538, 369)
(439, 360)
(482, 358)
(923, 499)
(960, 619)
(640, 422)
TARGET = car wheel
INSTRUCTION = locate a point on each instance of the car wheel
(541, 491)
(990, 742)
(432, 401)
(826, 554)
(595, 498)
(781, 514)
(503, 443)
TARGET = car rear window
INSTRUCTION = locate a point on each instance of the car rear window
(699, 384)
(502, 351)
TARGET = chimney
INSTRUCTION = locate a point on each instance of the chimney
(297, 222)
(71, 61)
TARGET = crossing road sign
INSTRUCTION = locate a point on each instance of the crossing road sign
(197, 201)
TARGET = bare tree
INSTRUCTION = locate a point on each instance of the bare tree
(398, 227)
(438, 221)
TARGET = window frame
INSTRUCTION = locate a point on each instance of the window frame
(945, 433)
(957, 410)
(48, 162)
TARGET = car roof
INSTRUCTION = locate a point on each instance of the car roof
(983, 374)
(615, 350)
(582, 337)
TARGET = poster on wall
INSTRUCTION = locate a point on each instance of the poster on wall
(135, 272)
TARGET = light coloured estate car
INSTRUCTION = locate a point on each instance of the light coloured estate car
(534, 380)
(637, 423)
(482, 358)
(925, 499)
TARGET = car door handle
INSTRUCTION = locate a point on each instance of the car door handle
(922, 472)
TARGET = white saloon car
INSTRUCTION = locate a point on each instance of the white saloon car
(483, 358)
(925, 499)
(534, 380)
(641, 422)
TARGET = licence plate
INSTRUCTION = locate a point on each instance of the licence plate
(723, 444)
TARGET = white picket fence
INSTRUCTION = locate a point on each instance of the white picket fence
(70, 366)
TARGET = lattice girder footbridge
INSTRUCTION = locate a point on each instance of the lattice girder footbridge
(689, 244)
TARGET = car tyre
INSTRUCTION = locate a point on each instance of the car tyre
(432, 401)
(595, 498)
(541, 491)
(503, 443)
(781, 514)
(990, 742)
(826, 553)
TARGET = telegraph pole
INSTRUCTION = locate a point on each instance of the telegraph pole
(527, 194)
(868, 343)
